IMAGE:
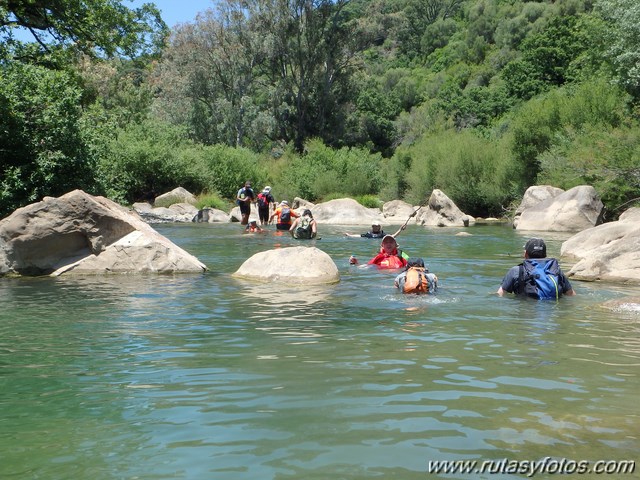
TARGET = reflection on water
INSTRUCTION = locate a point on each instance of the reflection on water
(208, 376)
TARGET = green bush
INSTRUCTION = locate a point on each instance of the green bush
(226, 169)
(212, 200)
(369, 201)
(475, 172)
(146, 160)
(42, 138)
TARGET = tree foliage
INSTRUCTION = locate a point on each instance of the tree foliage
(93, 26)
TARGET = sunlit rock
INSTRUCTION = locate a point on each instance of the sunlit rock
(80, 233)
(572, 211)
(292, 265)
(440, 211)
(607, 252)
(177, 195)
(345, 211)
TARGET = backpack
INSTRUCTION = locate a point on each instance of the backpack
(418, 281)
(540, 278)
(303, 230)
(285, 215)
(263, 201)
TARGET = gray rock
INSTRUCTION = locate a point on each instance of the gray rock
(177, 195)
(440, 211)
(607, 252)
(572, 211)
(345, 211)
(79, 233)
(292, 265)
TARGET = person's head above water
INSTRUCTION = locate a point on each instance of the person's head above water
(535, 248)
(375, 227)
(415, 262)
(389, 244)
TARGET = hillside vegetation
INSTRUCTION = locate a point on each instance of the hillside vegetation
(373, 99)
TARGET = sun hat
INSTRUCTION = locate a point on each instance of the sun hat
(386, 237)
(375, 224)
(536, 248)
(284, 202)
(266, 189)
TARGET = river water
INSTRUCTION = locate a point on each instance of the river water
(211, 377)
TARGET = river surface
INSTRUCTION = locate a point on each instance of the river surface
(210, 377)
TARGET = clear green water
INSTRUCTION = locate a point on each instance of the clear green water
(209, 377)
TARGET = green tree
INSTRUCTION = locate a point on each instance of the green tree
(623, 37)
(42, 140)
(93, 26)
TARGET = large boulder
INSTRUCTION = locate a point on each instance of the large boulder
(177, 195)
(345, 211)
(177, 212)
(292, 265)
(440, 211)
(607, 252)
(572, 211)
(533, 196)
(301, 203)
(79, 233)
(397, 211)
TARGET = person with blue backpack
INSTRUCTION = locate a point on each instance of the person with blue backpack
(537, 276)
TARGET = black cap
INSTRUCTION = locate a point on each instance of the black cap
(415, 262)
(536, 248)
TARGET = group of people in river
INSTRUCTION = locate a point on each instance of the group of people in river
(300, 226)
(536, 277)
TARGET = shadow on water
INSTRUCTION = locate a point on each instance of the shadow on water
(209, 376)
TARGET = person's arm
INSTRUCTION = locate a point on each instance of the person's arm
(566, 286)
(275, 212)
(509, 281)
(293, 226)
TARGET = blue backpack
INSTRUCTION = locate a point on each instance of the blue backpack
(540, 278)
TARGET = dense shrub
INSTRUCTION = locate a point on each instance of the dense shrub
(42, 143)
(144, 161)
(474, 172)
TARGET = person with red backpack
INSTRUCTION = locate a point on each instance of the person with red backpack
(264, 202)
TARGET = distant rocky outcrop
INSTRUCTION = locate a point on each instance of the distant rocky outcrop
(607, 252)
(292, 265)
(572, 211)
(80, 233)
(177, 195)
(440, 211)
(397, 211)
(345, 211)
